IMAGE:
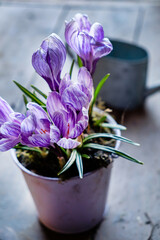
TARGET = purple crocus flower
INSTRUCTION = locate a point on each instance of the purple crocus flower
(78, 92)
(35, 129)
(49, 59)
(68, 109)
(10, 130)
(87, 40)
(68, 123)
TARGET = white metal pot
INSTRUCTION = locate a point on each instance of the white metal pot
(70, 206)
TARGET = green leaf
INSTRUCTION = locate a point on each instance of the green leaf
(69, 162)
(34, 92)
(111, 150)
(29, 94)
(64, 151)
(108, 135)
(44, 107)
(114, 126)
(102, 119)
(98, 88)
(80, 64)
(79, 164)
(39, 91)
(25, 100)
(71, 69)
(28, 148)
(85, 156)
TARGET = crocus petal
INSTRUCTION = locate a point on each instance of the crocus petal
(43, 125)
(37, 110)
(81, 124)
(77, 94)
(83, 22)
(29, 125)
(17, 117)
(8, 143)
(80, 42)
(97, 32)
(65, 82)
(56, 56)
(84, 46)
(54, 134)
(42, 68)
(5, 111)
(48, 61)
(71, 32)
(10, 129)
(86, 82)
(75, 97)
(57, 112)
(39, 140)
(101, 49)
(60, 121)
(77, 40)
(68, 143)
(54, 103)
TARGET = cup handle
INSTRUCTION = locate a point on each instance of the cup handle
(151, 90)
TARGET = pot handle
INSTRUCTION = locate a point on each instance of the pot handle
(149, 91)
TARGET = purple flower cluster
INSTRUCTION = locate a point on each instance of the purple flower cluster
(68, 102)
(67, 105)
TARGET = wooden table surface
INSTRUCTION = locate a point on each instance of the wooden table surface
(134, 196)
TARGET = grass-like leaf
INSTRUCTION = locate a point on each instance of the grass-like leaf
(28, 148)
(71, 69)
(111, 150)
(64, 151)
(39, 91)
(108, 135)
(98, 88)
(85, 156)
(69, 162)
(99, 121)
(29, 94)
(114, 126)
(79, 164)
(79, 61)
(25, 100)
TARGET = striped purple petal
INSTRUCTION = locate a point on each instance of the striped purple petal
(81, 124)
(10, 129)
(49, 60)
(55, 134)
(8, 143)
(39, 140)
(68, 143)
(5, 111)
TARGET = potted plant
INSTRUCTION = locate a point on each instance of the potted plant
(64, 135)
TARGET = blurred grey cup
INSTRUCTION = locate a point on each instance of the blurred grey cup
(126, 88)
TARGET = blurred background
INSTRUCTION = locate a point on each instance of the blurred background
(134, 196)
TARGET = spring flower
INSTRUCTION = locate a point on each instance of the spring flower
(68, 109)
(68, 123)
(35, 129)
(49, 59)
(87, 40)
(78, 92)
(10, 123)
(68, 114)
